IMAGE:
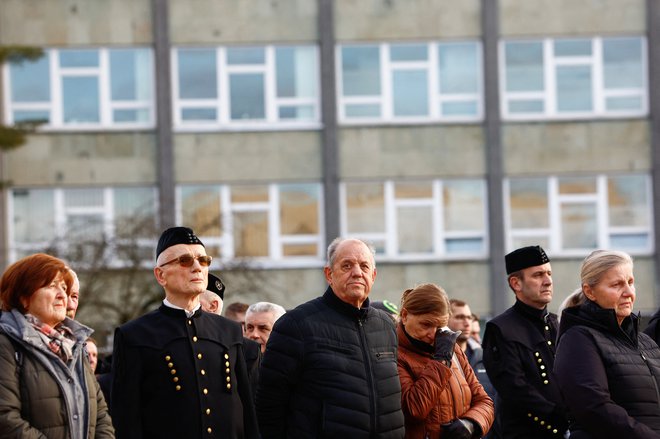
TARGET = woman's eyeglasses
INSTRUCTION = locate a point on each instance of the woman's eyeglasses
(187, 260)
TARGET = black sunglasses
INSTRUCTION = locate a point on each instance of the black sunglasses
(187, 260)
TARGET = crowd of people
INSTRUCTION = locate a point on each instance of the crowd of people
(338, 366)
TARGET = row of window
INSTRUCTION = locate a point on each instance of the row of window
(246, 88)
(282, 224)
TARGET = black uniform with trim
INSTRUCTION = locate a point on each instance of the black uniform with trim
(180, 377)
(519, 353)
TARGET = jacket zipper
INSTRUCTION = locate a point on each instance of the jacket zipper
(655, 380)
(368, 371)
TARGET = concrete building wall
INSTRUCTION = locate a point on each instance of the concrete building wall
(601, 146)
(438, 151)
(79, 159)
(241, 157)
(571, 17)
(75, 22)
(388, 20)
(242, 22)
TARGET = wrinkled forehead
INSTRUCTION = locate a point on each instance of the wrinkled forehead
(355, 251)
(181, 249)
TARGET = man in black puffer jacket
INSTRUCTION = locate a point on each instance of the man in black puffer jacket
(330, 368)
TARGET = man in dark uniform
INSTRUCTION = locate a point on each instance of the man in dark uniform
(179, 372)
(519, 353)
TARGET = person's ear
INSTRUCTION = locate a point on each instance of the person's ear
(589, 292)
(403, 315)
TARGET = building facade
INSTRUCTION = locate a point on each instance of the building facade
(447, 133)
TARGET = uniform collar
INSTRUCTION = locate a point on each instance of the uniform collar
(169, 304)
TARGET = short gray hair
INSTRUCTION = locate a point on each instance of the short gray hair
(277, 310)
(332, 248)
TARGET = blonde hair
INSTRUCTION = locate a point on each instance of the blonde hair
(598, 263)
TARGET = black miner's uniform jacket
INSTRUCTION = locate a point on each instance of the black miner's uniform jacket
(519, 354)
(178, 377)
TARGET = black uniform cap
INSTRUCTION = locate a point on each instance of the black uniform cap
(174, 236)
(216, 285)
(524, 258)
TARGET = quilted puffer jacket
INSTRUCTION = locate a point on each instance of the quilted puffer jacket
(434, 394)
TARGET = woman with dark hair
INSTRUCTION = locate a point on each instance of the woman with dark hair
(441, 396)
(47, 388)
(608, 371)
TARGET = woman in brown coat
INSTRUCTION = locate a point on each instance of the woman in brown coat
(441, 396)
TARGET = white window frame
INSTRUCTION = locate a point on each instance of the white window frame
(548, 95)
(385, 99)
(276, 239)
(553, 233)
(106, 105)
(221, 104)
(389, 237)
(60, 213)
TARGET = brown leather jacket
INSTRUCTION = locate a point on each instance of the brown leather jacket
(433, 394)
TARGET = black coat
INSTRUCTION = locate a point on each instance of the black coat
(609, 375)
(653, 328)
(519, 353)
(330, 370)
(178, 377)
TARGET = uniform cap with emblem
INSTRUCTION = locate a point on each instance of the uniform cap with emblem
(174, 236)
(216, 286)
(525, 257)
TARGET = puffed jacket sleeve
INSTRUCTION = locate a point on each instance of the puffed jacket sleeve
(419, 396)
(482, 409)
(280, 369)
(12, 425)
(583, 381)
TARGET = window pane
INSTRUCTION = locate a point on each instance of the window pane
(622, 104)
(246, 94)
(365, 208)
(572, 47)
(464, 205)
(622, 59)
(526, 106)
(197, 74)
(31, 116)
(459, 108)
(577, 185)
(628, 201)
(299, 112)
(80, 98)
(414, 233)
(83, 198)
(362, 110)
(130, 75)
(574, 88)
(30, 81)
(79, 58)
(130, 115)
(135, 212)
(292, 250)
(529, 203)
(189, 114)
(634, 241)
(34, 215)
(578, 223)
(245, 55)
(464, 245)
(299, 210)
(410, 93)
(249, 194)
(408, 52)
(518, 242)
(296, 71)
(360, 71)
(251, 234)
(413, 190)
(201, 209)
(524, 66)
(458, 68)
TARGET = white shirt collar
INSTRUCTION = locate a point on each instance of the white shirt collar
(188, 313)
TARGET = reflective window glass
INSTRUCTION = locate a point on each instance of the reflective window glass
(622, 59)
(574, 88)
(249, 194)
(524, 66)
(246, 95)
(197, 73)
(30, 80)
(408, 52)
(578, 226)
(572, 47)
(130, 72)
(415, 229)
(79, 58)
(529, 203)
(296, 69)
(250, 234)
(458, 68)
(361, 71)
(464, 205)
(628, 199)
(299, 213)
(34, 215)
(80, 99)
(201, 209)
(365, 207)
(84, 197)
(245, 55)
(410, 93)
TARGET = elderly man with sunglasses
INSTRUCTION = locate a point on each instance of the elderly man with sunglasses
(178, 371)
